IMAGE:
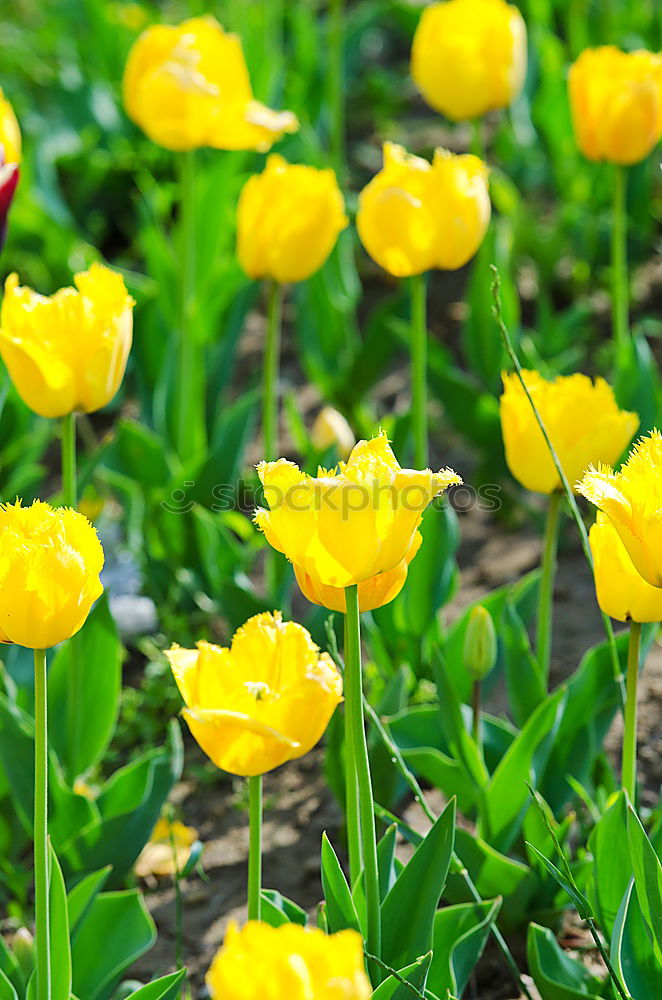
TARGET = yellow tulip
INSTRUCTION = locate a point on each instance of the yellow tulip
(167, 850)
(288, 220)
(616, 103)
(50, 564)
(350, 524)
(414, 216)
(373, 593)
(263, 701)
(68, 351)
(632, 499)
(581, 417)
(187, 86)
(469, 56)
(300, 963)
(621, 590)
(331, 428)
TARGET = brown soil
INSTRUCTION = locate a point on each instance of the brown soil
(300, 805)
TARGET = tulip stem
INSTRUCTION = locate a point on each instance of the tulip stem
(69, 479)
(336, 86)
(271, 372)
(418, 347)
(41, 859)
(359, 750)
(546, 590)
(254, 846)
(629, 758)
(351, 793)
(620, 307)
(190, 420)
(476, 693)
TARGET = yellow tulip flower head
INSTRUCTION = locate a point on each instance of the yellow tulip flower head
(632, 500)
(168, 849)
(616, 103)
(290, 961)
(621, 590)
(50, 561)
(10, 157)
(469, 56)
(347, 525)
(288, 220)
(187, 86)
(581, 417)
(374, 592)
(263, 701)
(414, 215)
(68, 351)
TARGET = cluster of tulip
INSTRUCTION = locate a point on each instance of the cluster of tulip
(350, 533)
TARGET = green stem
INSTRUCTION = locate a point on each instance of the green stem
(351, 796)
(179, 907)
(254, 846)
(336, 86)
(359, 749)
(190, 418)
(69, 484)
(478, 138)
(418, 348)
(629, 758)
(271, 372)
(476, 692)
(546, 591)
(41, 861)
(620, 307)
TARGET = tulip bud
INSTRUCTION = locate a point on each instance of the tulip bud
(480, 643)
(187, 86)
(616, 103)
(414, 215)
(331, 428)
(469, 56)
(288, 220)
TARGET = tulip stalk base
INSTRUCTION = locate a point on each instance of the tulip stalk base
(271, 371)
(361, 769)
(69, 477)
(476, 700)
(254, 846)
(620, 306)
(351, 796)
(41, 859)
(419, 364)
(190, 419)
(336, 86)
(629, 758)
(546, 591)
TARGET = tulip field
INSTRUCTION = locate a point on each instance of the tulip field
(331, 500)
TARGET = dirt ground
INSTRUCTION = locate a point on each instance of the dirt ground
(300, 806)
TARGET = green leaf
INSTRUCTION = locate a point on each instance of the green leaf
(7, 991)
(494, 874)
(82, 896)
(277, 909)
(116, 931)
(10, 966)
(632, 952)
(524, 678)
(60, 948)
(459, 936)
(612, 868)
(340, 909)
(507, 795)
(409, 908)
(392, 988)
(578, 898)
(165, 988)
(83, 692)
(557, 975)
(647, 877)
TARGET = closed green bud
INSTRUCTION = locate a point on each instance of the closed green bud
(480, 643)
